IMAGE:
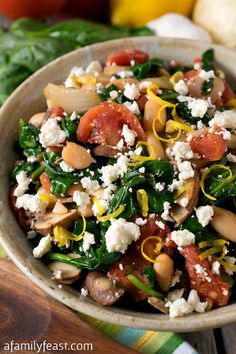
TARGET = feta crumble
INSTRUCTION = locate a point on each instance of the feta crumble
(140, 221)
(206, 75)
(204, 214)
(183, 237)
(113, 94)
(165, 214)
(23, 184)
(43, 247)
(65, 167)
(129, 135)
(83, 292)
(131, 91)
(120, 235)
(181, 150)
(51, 134)
(111, 173)
(81, 199)
(160, 224)
(181, 87)
(88, 240)
(225, 119)
(31, 202)
(132, 106)
(231, 158)
(90, 185)
(185, 170)
(215, 267)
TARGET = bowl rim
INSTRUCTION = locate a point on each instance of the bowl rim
(147, 321)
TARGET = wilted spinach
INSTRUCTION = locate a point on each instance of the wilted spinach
(70, 127)
(104, 94)
(23, 166)
(147, 69)
(182, 68)
(185, 113)
(29, 139)
(201, 233)
(208, 58)
(207, 87)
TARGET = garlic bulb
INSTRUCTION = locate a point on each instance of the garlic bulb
(219, 18)
(178, 26)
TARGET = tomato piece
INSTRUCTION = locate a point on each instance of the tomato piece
(228, 93)
(57, 112)
(189, 74)
(133, 262)
(210, 147)
(124, 57)
(103, 124)
(55, 149)
(209, 286)
(45, 182)
(141, 101)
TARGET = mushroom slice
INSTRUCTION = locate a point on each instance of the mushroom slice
(59, 208)
(224, 222)
(63, 272)
(158, 304)
(190, 197)
(107, 150)
(45, 222)
(101, 289)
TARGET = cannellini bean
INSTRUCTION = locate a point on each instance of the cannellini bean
(76, 156)
(150, 111)
(224, 222)
(37, 119)
(232, 142)
(157, 150)
(164, 271)
(63, 272)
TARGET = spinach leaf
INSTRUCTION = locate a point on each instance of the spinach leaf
(207, 87)
(147, 69)
(104, 94)
(208, 58)
(157, 199)
(70, 127)
(60, 180)
(170, 96)
(201, 233)
(150, 273)
(28, 135)
(185, 113)
(182, 68)
(23, 166)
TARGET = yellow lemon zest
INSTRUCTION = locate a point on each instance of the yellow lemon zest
(62, 236)
(99, 206)
(210, 252)
(210, 243)
(141, 158)
(113, 215)
(228, 265)
(157, 250)
(47, 198)
(176, 77)
(206, 173)
(87, 79)
(182, 189)
(231, 103)
(142, 199)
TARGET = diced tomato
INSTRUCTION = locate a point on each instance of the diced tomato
(57, 112)
(210, 147)
(103, 124)
(55, 148)
(133, 262)
(189, 74)
(124, 57)
(228, 93)
(209, 286)
(45, 182)
(197, 60)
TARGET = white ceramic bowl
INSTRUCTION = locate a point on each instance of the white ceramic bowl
(28, 99)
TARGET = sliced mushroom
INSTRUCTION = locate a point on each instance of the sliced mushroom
(45, 222)
(232, 142)
(101, 289)
(180, 213)
(158, 304)
(224, 222)
(53, 199)
(107, 151)
(59, 208)
(63, 272)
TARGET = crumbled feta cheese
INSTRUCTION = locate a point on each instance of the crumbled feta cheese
(73, 116)
(31, 202)
(32, 158)
(120, 144)
(185, 170)
(51, 134)
(176, 278)
(231, 260)
(160, 224)
(160, 186)
(204, 214)
(140, 221)
(215, 267)
(113, 94)
(231, 157)
(183, 202)
(144, 84)
(84, 292)
(175, 295)
(120, 235)
(111, 173)
(181, 87)
(183, 237)
(88, 240)
(181, 150)
(94, 68)
(131, 91)
(165, 214)
(125, 74)
(90, 185)
(206, 75)
(100, 208)
(65, 167)
(31, 234)
(129, 135)
(81, 199)
(23, 184)
(197, 106)
(121, 266)
(200, 270)
(194, 300)
(43, 247)
(225, 119)
(75, 72)
(175, 185)
(141, 169)
(132, 106)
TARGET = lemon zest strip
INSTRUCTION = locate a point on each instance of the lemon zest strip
(157, 250)
(176, 77)
(210, 251)
(62, 236)
(142, 199)
(113, 215)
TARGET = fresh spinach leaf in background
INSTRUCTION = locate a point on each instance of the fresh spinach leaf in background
(30, 44)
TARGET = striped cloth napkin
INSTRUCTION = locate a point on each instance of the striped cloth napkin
(147, 342)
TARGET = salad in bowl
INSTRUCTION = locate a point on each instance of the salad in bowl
(126, 187)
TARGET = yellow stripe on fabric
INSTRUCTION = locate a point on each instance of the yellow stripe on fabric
(161, 338)
(2, 253)
(107, 328)
(144, 339)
